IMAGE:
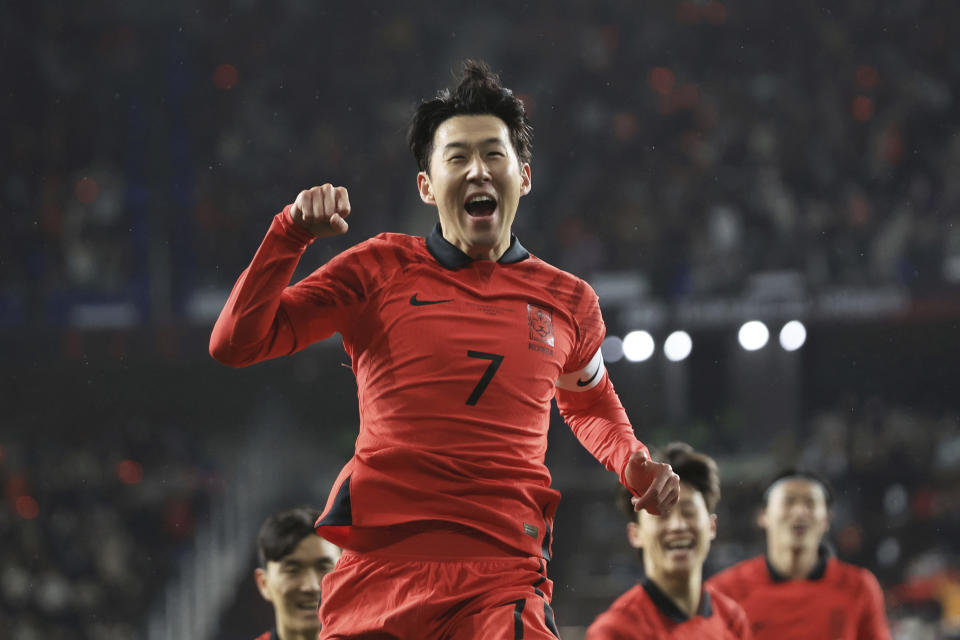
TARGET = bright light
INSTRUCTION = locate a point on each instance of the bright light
(612, 349)
(677, 346)
(753, 335)
(638, 346)
(793, 335)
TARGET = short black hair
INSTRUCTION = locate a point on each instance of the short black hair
(478, 93)
(696, 469)
(281, 532)
(795, 473)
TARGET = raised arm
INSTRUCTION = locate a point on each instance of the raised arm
(264, 317)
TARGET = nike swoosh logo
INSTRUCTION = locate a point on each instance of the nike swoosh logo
(583, 383)
(423, 303)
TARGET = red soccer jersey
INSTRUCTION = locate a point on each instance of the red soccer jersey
(267, 635)
(646, 612)
(456, 364)
(838, 601)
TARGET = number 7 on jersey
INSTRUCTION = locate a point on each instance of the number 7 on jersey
(495, 360)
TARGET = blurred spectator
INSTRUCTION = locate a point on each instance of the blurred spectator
(671, 600)
(293, 560)
(797, 588)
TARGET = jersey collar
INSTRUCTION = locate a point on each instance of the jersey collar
(669, 608)
(818, 571)
(452, 258)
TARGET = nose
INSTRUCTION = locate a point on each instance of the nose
(674, 521)
(311, 581)
(477, 170)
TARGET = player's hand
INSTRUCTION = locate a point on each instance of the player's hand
(657, 486)
(322, 210)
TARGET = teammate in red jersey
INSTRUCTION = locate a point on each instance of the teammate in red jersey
(293, 561)
(670, 601)
(799, 589)
(459, 341)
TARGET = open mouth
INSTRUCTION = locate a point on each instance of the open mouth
(480, 205)
(679, 545)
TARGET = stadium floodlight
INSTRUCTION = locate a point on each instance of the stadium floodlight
(677, 346)
(638, 346)
(612, 349)
(793, 335)
(753, 335)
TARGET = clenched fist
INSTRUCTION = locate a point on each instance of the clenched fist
(322, 210)
(655, 486)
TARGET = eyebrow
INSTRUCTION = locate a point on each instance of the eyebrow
(464, 145)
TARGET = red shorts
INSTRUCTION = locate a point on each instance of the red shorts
(379, 595)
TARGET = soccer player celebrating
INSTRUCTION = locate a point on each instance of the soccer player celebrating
(293, 561)
(799, 589)
(670, 601)
(459, 341)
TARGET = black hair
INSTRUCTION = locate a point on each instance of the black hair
(793, 473)
(478, 93)
(696, 469)
(282, 532)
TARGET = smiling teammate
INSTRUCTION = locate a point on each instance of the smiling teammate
(670, 601)
(798, 589)
(459, 342)
(293, 561)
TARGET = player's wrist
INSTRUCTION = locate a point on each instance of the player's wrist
(293, 229)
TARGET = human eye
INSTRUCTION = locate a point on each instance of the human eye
(325, 567)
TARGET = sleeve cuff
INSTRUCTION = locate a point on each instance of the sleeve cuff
(293, 230)
(637, 446)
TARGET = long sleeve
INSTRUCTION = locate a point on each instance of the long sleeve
(257, 321)
(599, 421)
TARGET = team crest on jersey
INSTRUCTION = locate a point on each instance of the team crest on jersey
(540, 321)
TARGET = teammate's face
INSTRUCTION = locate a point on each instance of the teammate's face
(292, 584)
(476, 181)
(675, 544)
(796, 515)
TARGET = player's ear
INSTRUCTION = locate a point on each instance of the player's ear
(260, 576)
(713, 526)
(762, 518)
(425, 188)
(526, 179)
(633, 535)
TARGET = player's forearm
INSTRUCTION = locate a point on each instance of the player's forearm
(252, 325)
(599, 421)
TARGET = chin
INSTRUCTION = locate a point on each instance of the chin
(680, 567)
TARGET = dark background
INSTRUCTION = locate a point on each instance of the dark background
(700, 163)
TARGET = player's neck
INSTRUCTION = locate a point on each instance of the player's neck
(289, 634)
(683, 589)
(794, 563)
(493, 253)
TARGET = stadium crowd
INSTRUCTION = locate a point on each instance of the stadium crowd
(694, 142)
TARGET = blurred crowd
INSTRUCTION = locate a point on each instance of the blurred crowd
(92, 528)
(694, 142)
